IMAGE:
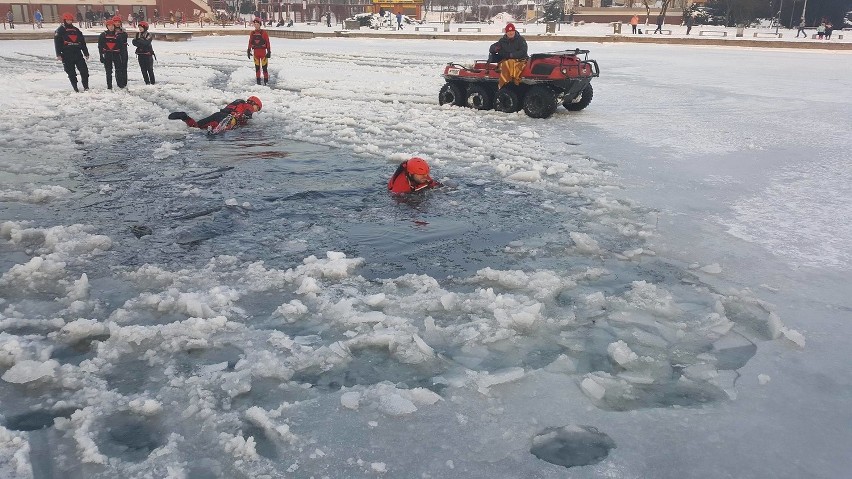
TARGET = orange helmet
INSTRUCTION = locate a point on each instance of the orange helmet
(109, 23)
(417, 166)
(255, 101)
(143, 24)
(116, 20)
(67, 17)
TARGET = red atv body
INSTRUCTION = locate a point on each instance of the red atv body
(547, 80)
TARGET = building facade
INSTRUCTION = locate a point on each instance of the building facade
(52, 10)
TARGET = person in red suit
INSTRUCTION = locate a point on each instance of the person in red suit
(260, 47)
(233, 114)
(411, 176)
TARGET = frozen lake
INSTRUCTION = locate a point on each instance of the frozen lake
(654, 287)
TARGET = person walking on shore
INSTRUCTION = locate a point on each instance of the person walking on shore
(801, 30)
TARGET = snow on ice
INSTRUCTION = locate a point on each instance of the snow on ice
(282, 352)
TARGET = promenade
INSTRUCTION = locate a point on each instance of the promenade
(586, 33)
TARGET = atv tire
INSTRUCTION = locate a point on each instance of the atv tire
(479, 97)
(452, 94)
(540, 102)
(507, 100)
(580, 101)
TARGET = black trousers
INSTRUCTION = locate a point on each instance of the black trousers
(146, 64)
(114, 60)
(212, 120)
(73, 61)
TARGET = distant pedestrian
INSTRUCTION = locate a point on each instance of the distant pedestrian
(79, 18)
(328, 19)
(70, 45)
(10, 19)
(801, 30)
(821, 30)
(37, 16)
(660, 21)
(399, 20)
(634, 22)
(689, 22)
(828, 28)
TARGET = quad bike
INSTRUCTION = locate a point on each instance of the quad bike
(547, 80)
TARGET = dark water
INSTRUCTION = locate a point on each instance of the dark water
(302, 199)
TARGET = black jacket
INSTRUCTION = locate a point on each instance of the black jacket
(69, 40)
(515, 48)
(110, 43)
(142, 42)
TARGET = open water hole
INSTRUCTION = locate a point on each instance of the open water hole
(249, 194)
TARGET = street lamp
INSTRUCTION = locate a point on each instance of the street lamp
(778, 22)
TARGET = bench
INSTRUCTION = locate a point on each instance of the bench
(472, 29)
(310, 23)
(425, 27)
(663, 30)
(712, 33)
(767, 34)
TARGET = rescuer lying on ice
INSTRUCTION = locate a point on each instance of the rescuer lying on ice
(234, 114)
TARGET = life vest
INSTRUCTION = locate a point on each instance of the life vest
(110, 43)
(239, 108)
(71, 36)
(257, 40)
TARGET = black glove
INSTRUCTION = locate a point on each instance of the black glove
(268, 54)
(102, 59)
(248, 53)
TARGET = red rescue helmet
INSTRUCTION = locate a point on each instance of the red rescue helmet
(255, 101)
(116, 20)
(143, 24)
(109, 23)
(67, 17)
(417, 166)
(510, 27)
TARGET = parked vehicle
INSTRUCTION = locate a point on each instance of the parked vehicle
(547, 80)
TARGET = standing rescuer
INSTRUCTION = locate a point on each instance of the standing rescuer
(260, 47)
(112, 55)
(411, 176)
(145, 52)
(70, 49)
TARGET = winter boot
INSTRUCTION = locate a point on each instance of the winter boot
(265, 81)
(178, 115)
(74, 86)
(258, 81)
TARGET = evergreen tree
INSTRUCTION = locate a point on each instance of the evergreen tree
(553, 10)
